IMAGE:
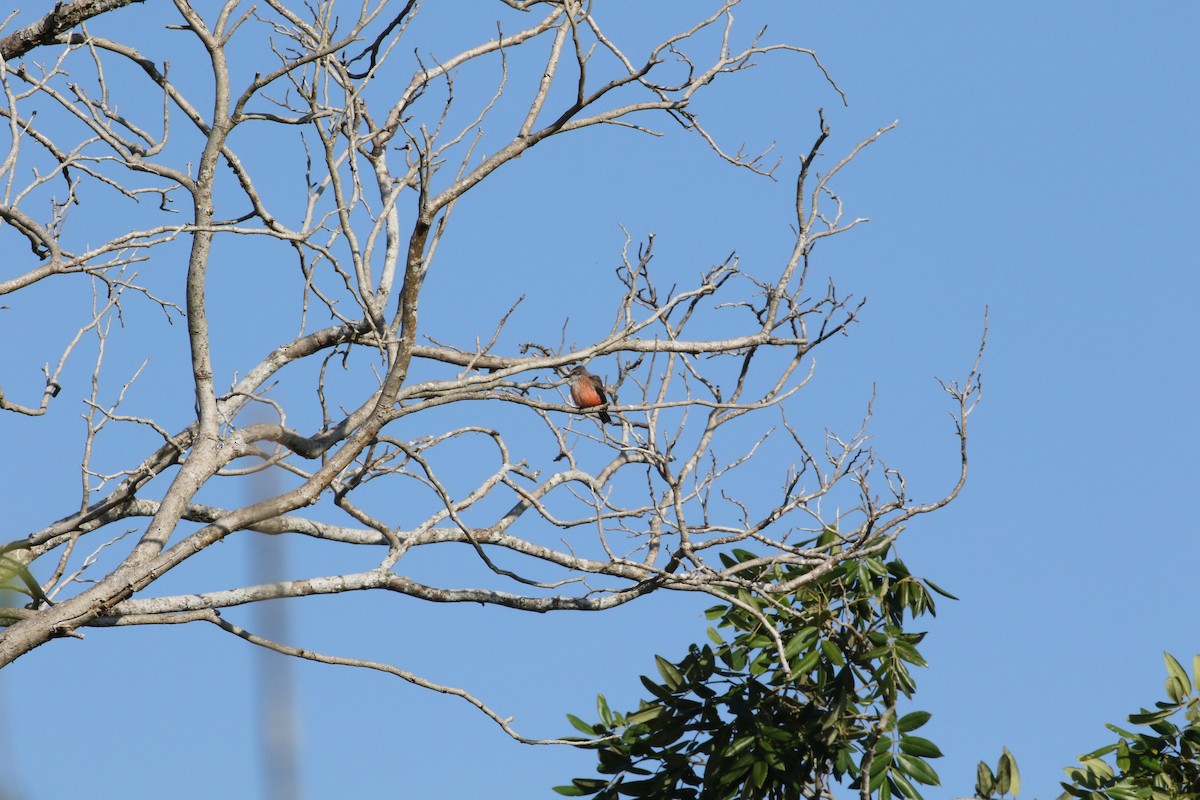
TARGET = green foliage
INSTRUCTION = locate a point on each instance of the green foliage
(1005, 780)
(797, 691)
(1162, 763)
(793, 692)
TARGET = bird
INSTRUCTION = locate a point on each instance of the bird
(587, 391)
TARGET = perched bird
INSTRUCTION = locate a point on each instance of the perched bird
(587, 391)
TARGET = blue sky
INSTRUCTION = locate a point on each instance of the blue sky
(1043, 168)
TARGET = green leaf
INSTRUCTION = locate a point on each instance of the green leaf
(1179, 685)
(1099, 752)
(757, 641)
(1096, 767)
(1004, 774)
(758, 773)
(912, 721)
(917, 746)
(1122, 793)
(1166, 729)
(658, 691)
(1072, 791)
(1176, 670)
(582, 786)
(670, 675)
(1123, 760)
(645, 715)
(874, 655)
(875, 566)
(805, 665)
(985, 781)
(832, 652)
(828, 536)
(902, 786)
(1151, 717)
(908, 653)
(739, 745)
(844, 763)
(762, 662)
(606, 716)
(580, 725)
(1119, 731)
(863, 578)
(938, 589)
(880, 766)
(918, 770)
(1196, 670)
(1008, 761)
(803, 640)
(749, 600)
(714, 636)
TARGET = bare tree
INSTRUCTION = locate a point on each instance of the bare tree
(179, 171)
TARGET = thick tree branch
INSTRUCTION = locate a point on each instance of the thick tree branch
(61, 19)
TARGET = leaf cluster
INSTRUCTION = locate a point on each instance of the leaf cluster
(1006, 779)
(794, 691)
(1161, 763)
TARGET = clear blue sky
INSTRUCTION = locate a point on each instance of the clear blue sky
(1044, 167)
